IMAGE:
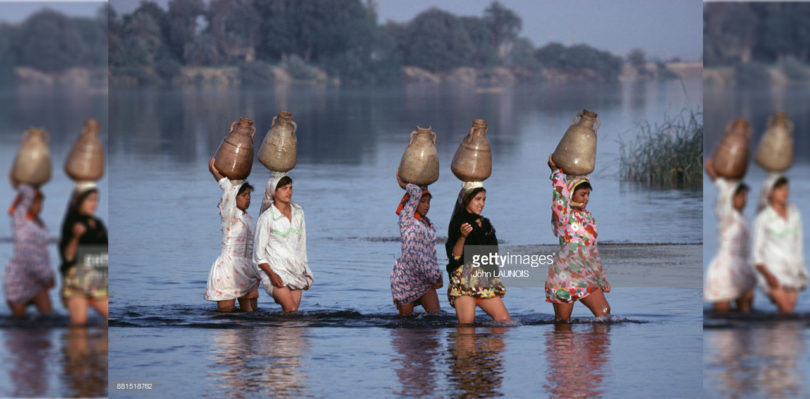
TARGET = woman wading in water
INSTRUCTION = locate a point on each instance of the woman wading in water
(577, 273)
(416, 275)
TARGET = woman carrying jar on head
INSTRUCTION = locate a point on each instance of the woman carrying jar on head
(84, 284)
(469, 286)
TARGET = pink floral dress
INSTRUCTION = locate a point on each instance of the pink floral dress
(233, 274)
(577, 269)
(417, 270)
(29, 270)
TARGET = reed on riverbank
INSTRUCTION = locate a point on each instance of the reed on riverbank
(665, 154)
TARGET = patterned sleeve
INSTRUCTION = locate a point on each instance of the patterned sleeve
(21, 210)
(559, 204)
(227, 205)
(414, 196)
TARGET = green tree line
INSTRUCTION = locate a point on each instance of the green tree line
(49, 41)
(341, 37)
(755, 32)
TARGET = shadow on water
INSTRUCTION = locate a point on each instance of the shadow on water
(203, 317)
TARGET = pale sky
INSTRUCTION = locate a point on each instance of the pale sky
(18, 11)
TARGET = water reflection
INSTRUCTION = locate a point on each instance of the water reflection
(264, 361)
(29, 353)
(576, 360)
(765, 361)
(84, 352)
(476, 361)
(417, 366)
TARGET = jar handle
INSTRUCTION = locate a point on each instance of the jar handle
(596, 129)
(432, 133)
(295, 127)
(252, 132)
(576, 117)
(273, 123)
(410, 141)
(232, 125)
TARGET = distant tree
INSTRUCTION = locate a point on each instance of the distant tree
(182, 20)
(637, 59)
(234, 26)
(140, 41)
(505, 26)
(437, 41)
(523, 55)
(483, 40)
(773, 32)
(201, 51)
(49, 41)
(551, 55)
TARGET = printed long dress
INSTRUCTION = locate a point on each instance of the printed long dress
(233, 274)
(729, 274)
(777, 244)
(29, 270)
(577, 269)
(282, 244)
(417, 270)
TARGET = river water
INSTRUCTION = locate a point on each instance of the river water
(347, 337)
(763, 355)
(43, 357)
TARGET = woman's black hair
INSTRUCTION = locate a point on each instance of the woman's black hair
(245, 186)
(283, 182)
(781, 181)
(469, 196)
(583, 185)
(740, 188)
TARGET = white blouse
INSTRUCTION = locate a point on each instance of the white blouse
(731, 223)
(282, 244)
(777, 244)
(236, 225)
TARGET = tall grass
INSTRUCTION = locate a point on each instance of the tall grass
(665, 154)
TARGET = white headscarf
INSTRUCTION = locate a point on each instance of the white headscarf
(767, 187)
(270, 190)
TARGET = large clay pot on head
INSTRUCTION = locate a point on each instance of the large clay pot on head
(32, 165)
(420, 162)
(731, 156)
(473, 159)
(279, 150)
(234, 158)
(86, 159)
(576, 152)
(775, 150)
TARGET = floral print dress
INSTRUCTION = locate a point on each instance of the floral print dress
(29, 270)
(417, 270)
(233, 274)
(577, 269)
(730, 273)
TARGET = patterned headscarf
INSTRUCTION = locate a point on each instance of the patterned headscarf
(572, 183)
(407, 197)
